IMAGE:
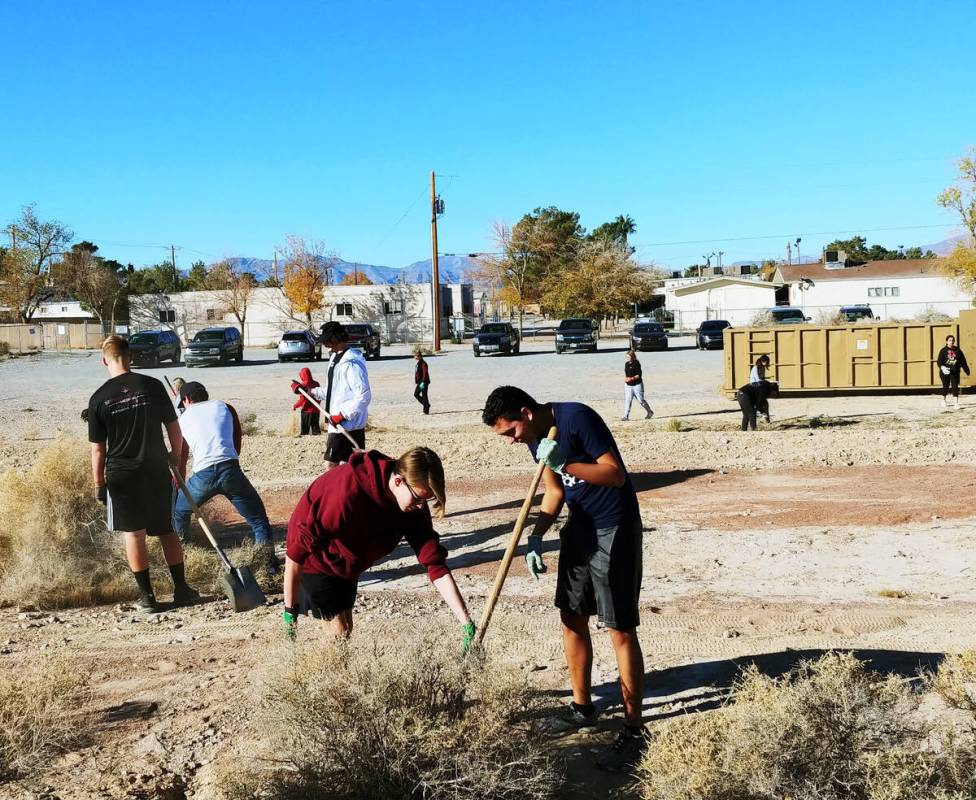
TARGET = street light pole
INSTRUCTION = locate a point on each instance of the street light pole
(434, 271)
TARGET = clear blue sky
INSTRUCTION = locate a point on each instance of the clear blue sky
(222, 127)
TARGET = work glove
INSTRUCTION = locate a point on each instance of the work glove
(945, 370)
(336, 419)
(291, 623)
(548, 453)
(295, 386)
(533, 557)
(422, 385)
(469, 631)
(101, 494)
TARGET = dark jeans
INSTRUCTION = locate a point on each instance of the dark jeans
(748, 411)
(950, 381)
(421, 396)
(310, 424)
(228, 479)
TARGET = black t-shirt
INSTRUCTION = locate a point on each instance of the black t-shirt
(632, 369)
(582, 438)
(127, 412)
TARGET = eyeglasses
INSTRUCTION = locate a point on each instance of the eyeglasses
(417, 499)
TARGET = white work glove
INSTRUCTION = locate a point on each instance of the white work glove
(533, 557)
(945, 369)
(547, 452)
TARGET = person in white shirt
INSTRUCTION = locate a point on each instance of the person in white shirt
(345, 395)
(212, 431)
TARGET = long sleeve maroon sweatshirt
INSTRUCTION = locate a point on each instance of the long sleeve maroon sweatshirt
(347, 521)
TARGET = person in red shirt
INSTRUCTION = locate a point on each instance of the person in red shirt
(350, 518)
(309, 413)
(421, 377)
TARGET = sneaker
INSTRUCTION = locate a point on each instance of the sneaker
(570, 720)
(768, 418)
(624, 419)
(147, 604)
(955, 403)
(945, 403)
(649, 414)
(185, 596)
(426, 409)
(625, 752)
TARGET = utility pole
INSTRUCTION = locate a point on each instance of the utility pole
(277, 282)
(13, 238)
(435, 273)
(176, 277)
(789, 254)
(798, 250)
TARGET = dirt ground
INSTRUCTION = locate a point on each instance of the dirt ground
(846, 523)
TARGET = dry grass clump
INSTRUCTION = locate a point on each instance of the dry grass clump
(955, 680)
(356, 721)
(830, 730)
(249, 424)
(292, 425)
(674, 425)
(762, 319)
(43, 712)
(4, 349)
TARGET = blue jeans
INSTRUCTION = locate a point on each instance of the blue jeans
(228, 479)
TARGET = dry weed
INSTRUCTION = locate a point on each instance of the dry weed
(249, 424)
(674, 425)
(893, 594)
(955, 680)
(43, 712)
(292, 425)
(830, 730)
(356, 721)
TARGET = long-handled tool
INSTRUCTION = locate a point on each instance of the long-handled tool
(239, 583)
(343, 431)
(513, 544)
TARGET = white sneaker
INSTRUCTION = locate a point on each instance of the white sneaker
(624, 419)
(945, 402)
(955, 403)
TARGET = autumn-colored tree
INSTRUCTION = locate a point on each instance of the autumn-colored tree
(514, 271)
(308, 271)
(97, 284)
(355, 278)
(961, 197)
(25, 277)
(232, 287)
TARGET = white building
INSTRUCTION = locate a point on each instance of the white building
(62, 309)
(693, 300)
(400, 312)
(897, 289)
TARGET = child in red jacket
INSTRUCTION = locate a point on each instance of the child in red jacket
(309, 413)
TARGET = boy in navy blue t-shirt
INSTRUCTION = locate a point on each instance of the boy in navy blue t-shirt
(600, 548)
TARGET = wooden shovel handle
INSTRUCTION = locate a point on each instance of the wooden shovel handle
(343, 431)
(513, 544)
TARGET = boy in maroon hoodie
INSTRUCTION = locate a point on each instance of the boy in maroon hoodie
(309, 413)
(350, 518)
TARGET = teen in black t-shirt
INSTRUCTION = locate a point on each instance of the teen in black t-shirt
(130, 466)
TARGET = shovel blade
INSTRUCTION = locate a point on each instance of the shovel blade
(242, 589)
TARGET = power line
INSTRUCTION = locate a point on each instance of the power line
(790, 235)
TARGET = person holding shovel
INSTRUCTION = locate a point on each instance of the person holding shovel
(421, 378)
(350, 518)
(130, 468)
(212, 431)
(599, 552)
(345, 397)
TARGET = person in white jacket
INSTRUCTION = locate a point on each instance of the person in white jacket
(345, 395)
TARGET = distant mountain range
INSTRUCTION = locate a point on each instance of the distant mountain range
(452, 269)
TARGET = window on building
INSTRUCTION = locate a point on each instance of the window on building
(167, 315)
(883, 291)
(891, 291)
(393, 306)
(64, 308)
(211, 315)
(343, 309)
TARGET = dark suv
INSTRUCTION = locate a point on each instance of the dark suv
(648, 336)
(215, 346)
(709, 334)
(151, 347)
(577, 333)
(364, 336)
(496, 337)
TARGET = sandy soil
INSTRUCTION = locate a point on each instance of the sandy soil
(852, 530)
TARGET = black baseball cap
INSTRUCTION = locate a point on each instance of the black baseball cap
(193, 387)
(333, 332)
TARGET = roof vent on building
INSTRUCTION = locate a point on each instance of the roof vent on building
(677, 274)
(835, 259)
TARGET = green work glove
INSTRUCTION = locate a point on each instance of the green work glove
(291, 623)
(469, 630)
(547, 452)
(533, 557)
(422, 385)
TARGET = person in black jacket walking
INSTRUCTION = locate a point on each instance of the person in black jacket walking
(421, 377)
(754, 399)
(634, 386)
(951, 361)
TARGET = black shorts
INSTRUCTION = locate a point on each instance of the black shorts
(324, 596)
(140, 501)
(339, 448)
(600, 573)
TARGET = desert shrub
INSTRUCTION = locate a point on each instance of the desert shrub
(674, 425)
(43, 712)
(292, 426)
(829, 316)
(829, 730)
(4, 349)
(762, 319)
(929, 314)
(955, 680)
(355, 721)
(249, 424)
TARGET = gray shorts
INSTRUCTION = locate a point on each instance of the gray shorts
(600, 573)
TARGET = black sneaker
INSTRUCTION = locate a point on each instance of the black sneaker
(185, 596)
(147, 604)
(625, 752)
(570, 720)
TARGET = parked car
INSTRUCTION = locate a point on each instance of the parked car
(577, 333)
(365, 337)
(215, 346)
(709, 334)
(496, 337)
(855, 313)
(151, 347)
(299, 344)
(648, 336)
(786, 315)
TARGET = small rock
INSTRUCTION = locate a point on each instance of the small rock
(731, 633)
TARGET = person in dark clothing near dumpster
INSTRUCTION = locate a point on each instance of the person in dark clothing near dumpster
(421, 377)
(951, 361)
(754, 399)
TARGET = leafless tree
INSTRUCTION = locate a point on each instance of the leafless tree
(25, 281)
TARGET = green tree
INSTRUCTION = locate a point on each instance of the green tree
(616, 231)
(26, 278)
(550, 237)
(97, 284)
(156, 279)
(197, 278)
(914, 252)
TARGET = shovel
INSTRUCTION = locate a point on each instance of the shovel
(238, 583)
(513, 544)
(343, 431)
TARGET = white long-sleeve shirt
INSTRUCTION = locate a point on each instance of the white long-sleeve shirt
(350, 390)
